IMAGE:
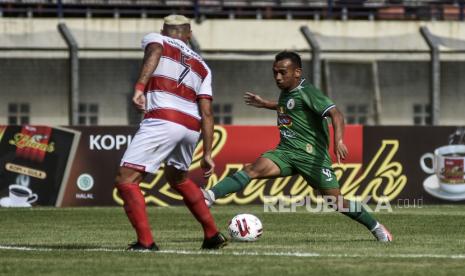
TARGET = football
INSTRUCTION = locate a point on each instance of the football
(245, 228)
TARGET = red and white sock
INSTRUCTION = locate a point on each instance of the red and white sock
(134, 206)
(193, 198)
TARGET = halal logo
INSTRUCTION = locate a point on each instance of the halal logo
(85, 182)
(290, 104)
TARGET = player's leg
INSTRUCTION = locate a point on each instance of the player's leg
(352, 209)
(322, 178)
(270, 164)
(151, 144)
(176, 170)
(261, 168)
(127, 184)
(193, 198)
(356, 211)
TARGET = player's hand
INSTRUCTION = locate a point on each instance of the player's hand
(207, 165)
(340, 150)
(139, 100)
(253, 100)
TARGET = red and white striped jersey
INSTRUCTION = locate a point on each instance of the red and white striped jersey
(180, 79)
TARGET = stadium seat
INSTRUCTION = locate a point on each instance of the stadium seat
(30, 1)
(179, 2)
(210, 2)
(293, 3)
(451, 12)
(268, 9)
(394, 12)
(374, 3)
(235, 3)
(262, 3)
(150, 2)
(316, 3)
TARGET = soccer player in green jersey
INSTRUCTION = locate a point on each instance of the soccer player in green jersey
(303, 147)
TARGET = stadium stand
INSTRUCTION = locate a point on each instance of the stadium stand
(259, 9)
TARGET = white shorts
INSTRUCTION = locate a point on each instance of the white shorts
(159, 141)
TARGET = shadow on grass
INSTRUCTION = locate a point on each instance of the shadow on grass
(338, 240)
(70, 246)
(184, 240)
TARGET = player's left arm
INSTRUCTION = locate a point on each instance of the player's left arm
(207, 127)
(337, 120)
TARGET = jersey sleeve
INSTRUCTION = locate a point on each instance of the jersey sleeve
(205, 91)
(151, 38)
(317, 101)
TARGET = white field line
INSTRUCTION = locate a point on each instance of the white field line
(241, 253)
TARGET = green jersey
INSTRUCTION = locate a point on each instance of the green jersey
(302, 123)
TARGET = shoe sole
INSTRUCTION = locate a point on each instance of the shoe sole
(222, 245)
(217, 247)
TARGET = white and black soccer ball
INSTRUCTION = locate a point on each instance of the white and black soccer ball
(245, 228)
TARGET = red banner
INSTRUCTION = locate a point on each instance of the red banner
(384, 163)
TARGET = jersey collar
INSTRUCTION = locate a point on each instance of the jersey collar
(298, 87)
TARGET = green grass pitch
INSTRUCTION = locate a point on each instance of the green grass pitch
(91, 241)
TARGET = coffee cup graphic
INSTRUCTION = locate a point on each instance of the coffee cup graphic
(448, 165)
(21, 196)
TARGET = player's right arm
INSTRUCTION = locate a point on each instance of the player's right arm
(257, 101)
(207, 127)
(152, 55)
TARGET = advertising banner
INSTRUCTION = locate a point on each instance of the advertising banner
(35, 162)
(406, 164)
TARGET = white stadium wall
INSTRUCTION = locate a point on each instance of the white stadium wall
(34, 66)
(231, 35)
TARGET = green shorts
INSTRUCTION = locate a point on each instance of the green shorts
(290, 163)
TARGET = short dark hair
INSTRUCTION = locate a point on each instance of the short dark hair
(292, 56)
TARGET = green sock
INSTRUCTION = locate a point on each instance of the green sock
(231, 184)
(360, 214)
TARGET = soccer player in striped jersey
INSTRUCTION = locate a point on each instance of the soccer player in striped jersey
(174, 91)
(303, 147)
